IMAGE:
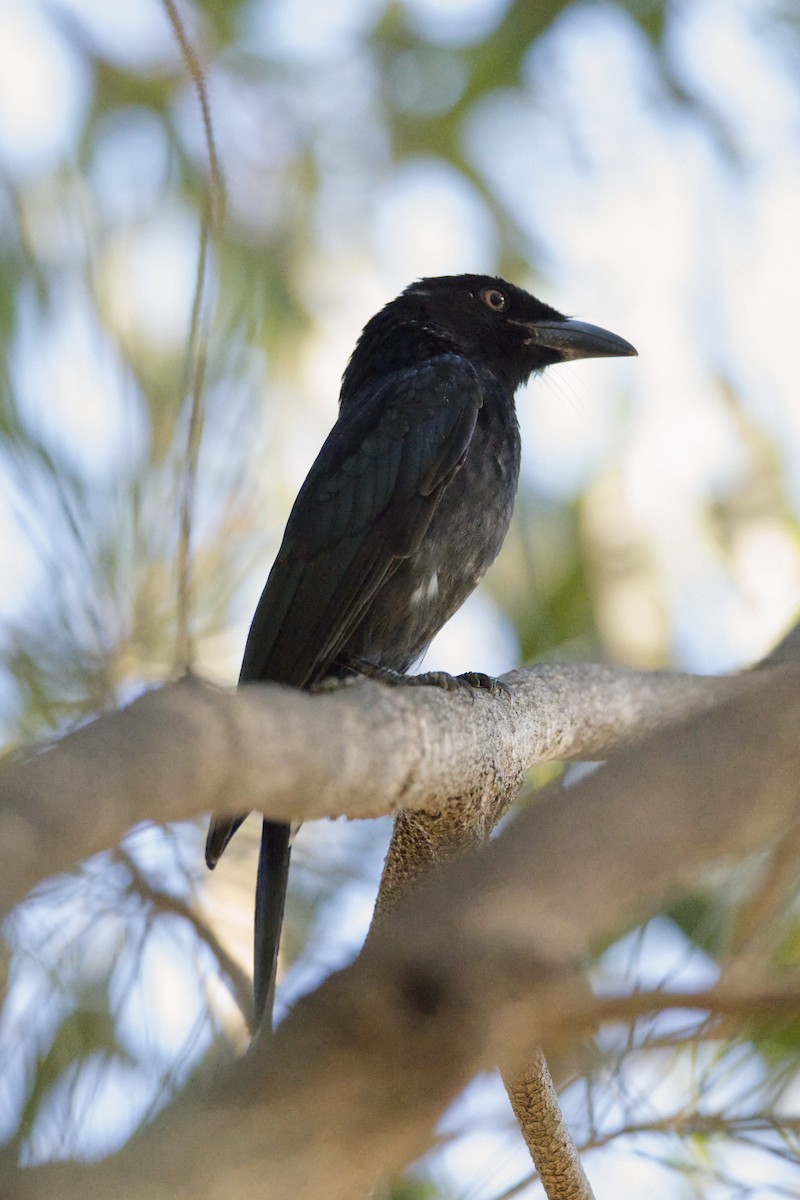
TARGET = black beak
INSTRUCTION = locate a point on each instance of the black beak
(576, 339)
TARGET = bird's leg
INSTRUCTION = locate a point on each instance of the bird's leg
(468, 681)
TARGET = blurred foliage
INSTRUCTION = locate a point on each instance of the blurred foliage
(311, 138)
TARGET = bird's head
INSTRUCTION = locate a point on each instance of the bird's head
(493, 321)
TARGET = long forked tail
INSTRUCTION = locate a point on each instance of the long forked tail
(273, 875)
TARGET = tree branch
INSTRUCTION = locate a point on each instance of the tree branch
(362, 751)
(535, 1103)
(476, 967)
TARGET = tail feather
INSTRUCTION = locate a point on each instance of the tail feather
(273, 874)
(220, 832)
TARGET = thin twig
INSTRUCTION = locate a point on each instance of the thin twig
(197, 348)
(165, 902)
(192, 63)
(701, 1125)
(720, 1001)
(196, 363)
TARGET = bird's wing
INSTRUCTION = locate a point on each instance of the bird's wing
(364, 506)
(366, 503)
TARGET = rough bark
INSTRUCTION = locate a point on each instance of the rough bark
(535, 1103)
(477, 966)
(363, 751)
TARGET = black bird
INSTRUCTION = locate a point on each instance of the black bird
(405, 508)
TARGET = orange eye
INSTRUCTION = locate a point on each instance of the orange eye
(495, 299)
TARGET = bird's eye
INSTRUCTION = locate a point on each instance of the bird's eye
(495, 299)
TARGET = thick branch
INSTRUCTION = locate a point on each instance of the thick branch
(363, 751)
(475, 968)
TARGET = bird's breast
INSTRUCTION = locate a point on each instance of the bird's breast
(463, 539)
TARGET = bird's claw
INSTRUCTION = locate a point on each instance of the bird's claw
(468, 682)
(439, 679)
(485, 683)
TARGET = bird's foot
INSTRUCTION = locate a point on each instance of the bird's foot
(438, 679)
(469, 681)
(485, 683)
